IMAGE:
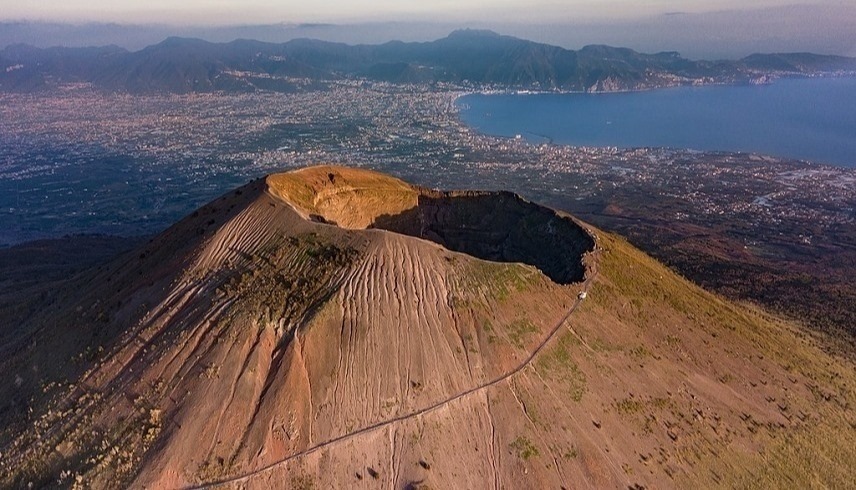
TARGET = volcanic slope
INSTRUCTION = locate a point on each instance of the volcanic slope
(338, 327)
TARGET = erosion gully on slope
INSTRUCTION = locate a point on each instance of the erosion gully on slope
(593, 259)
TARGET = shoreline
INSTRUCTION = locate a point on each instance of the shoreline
(769, 79)
(459, 106)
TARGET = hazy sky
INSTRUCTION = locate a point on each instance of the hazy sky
(698, 29)
(267, 11)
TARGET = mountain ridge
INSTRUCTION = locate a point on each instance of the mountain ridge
(465, 57)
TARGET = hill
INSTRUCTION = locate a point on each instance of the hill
(339, 327)
(465, 57)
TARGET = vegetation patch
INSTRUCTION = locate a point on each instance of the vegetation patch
(496, 280)
(302, 482)
(524, 448)
(629, 406)
(519, 330)
(640, 353)
(287, 277)
(558, 365)
(488, 329)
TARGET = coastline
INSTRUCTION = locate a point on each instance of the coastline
(762, 139)
(762, 79)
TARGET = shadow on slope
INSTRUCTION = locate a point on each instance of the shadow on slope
(496, 226)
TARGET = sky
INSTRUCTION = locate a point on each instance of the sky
(698, 29)
(220, 12)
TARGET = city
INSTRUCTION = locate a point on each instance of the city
(88, 162)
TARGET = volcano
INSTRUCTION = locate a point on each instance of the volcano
(338, 327)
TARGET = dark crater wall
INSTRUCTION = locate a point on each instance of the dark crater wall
(497, 226)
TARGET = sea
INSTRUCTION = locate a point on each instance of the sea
(810, 119)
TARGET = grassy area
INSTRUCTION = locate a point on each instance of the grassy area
(815, 450)
(524, 448)
(557, 364)
(497, 280)
(519, 332)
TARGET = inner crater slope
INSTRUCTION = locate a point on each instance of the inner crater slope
(495, 226)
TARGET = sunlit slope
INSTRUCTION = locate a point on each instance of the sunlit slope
(430, 339)
(651, 382)
(350, 198)
(707, 392)
(245, 334)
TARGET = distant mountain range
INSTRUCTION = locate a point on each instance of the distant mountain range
(465, 57)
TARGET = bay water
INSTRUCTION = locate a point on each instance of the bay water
(809, 119)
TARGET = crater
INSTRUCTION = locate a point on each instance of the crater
(497, 226)
(494, 226)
